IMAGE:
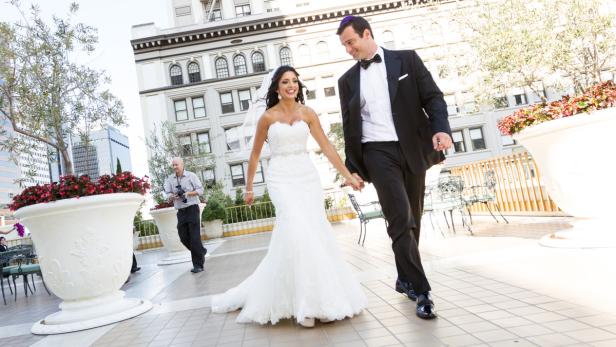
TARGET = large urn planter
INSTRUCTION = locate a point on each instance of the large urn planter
(573, 156)
(166, 221)
(84, 248)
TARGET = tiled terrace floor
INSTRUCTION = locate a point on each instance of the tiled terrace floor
(497, 288)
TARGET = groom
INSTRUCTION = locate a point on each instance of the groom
(395, 127)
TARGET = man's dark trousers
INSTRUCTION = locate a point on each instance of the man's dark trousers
(189, 230)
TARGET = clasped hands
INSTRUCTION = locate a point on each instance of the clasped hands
(355, 182)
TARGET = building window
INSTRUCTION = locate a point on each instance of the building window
(222, 69)
(203, 142)
(226, 102)
(182, 11)
(477, 139)
(452, 106)
(458, 142)
(242, 10)
(232, 138)
(305, 57)
(216, 15)
(329, 89)
(194, 73)
(244, 99)
(198, 107)
(239, 65)
(270, 5)
(323, 50)
(208, 177)
(180, 110)
(175, 71)
(186, 145)
(520, 99)
(258, 62)
(237, 175)
(501, 102)
(507, 140)
(388, 40)
(285, 56)
(310, 89)
(259, 174)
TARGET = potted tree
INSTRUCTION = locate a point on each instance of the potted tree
(568, 139)
(213, 216)
(82, 230)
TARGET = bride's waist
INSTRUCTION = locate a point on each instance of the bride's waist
(292, 152)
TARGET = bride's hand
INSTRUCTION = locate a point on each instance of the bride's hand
(353, 182)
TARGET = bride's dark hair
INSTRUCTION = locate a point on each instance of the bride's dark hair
(272, 96)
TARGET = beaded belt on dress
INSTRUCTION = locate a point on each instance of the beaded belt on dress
(280, 154)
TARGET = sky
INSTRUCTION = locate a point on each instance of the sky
(113, 19)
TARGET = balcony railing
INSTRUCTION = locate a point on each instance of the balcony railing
(243, 220)
(518, 186)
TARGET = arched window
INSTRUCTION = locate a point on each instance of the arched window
(222, 69)
(388, 40)
(285, 56)
(258, 62)
(304, 54)
(239, 65)
(323, 50)
(194, 73)
(175, 72)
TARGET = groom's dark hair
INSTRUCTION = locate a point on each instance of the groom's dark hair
(359, 24)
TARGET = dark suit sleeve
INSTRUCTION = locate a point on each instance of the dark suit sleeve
(430, 96)
(344, 108)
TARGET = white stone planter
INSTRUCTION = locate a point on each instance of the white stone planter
(213, 229)
(573, 157)
(167, 221)
(84, 247)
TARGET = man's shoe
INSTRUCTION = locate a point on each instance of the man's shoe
(425, 306)
(405, 288)
(196, 269)
(135, 269)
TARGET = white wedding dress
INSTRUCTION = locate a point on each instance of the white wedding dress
(302, 274)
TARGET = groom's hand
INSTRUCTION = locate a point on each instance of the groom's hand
(441, 141)
(359, 179)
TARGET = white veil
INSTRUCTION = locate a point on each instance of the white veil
(255, 111)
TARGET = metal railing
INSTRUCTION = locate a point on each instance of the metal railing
(518, 184)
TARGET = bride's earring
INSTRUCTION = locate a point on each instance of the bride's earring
(279, 97)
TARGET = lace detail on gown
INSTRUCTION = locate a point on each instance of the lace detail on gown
(302, 274)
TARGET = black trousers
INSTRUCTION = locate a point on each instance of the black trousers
(189, 230)
(401, 195)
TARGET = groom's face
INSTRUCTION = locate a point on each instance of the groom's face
(355, 45)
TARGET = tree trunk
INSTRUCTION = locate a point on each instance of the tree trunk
(67, 165)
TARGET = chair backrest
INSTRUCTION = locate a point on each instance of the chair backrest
(356, 206)
(450, 189)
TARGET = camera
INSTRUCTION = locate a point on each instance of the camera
(180, 193)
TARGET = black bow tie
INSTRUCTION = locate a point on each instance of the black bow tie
(364, 63)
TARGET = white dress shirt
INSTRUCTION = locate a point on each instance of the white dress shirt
(377, 120)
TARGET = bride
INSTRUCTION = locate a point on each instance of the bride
(302, 274)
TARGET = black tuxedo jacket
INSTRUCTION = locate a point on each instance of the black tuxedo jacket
(418, 109)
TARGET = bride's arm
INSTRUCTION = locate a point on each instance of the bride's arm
(260, 136)
(326, 146)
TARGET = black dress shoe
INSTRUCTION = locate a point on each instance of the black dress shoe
(425, 306)
(405, 288)
(135, 269)
(196, 269)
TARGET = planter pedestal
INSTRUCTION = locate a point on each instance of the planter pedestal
(166, 221)
(84, 247)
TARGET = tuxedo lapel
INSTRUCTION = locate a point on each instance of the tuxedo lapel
(354, 101)
(393, 66)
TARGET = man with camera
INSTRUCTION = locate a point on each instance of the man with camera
(183, 189)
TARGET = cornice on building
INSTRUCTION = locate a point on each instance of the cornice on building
(269, 23)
